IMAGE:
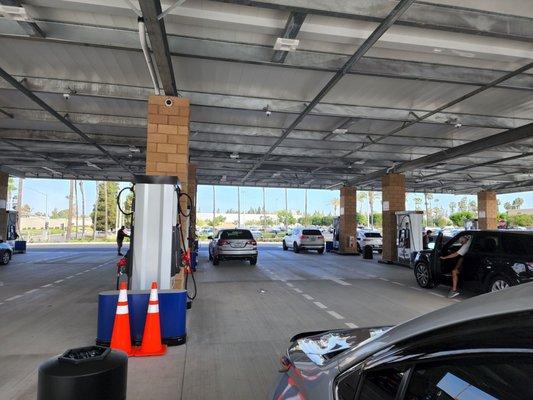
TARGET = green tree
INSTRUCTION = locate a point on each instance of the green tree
(418, 203)
(517, 203)
(462, 205)
(217, 221)
(378, 219)
(452, 206)
(266, 220)
(285, 217)
(335, 203)
(25, 210)
(361, 219)
(460, 217)
(112, 191)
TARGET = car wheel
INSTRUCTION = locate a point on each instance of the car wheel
(253, 261)
(498, 283)
(210, 257)
(295, 247)
(422, 276)
(4, 259)
(216, 260)
(320, 251)
(285, 248)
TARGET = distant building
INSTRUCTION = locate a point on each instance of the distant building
(523, 211)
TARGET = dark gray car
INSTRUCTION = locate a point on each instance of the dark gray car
(478, 349)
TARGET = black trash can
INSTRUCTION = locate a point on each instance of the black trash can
(368, 252)
(85, 373)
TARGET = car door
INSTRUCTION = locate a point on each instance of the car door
(435, 263)
(488, 376)
(481, 260)
(517, 257)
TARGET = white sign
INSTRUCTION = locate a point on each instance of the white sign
(481, 214)
(2, 204)
(385, 206)
(342, 210)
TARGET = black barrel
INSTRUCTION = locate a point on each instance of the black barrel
(85, 373)
(368, 252)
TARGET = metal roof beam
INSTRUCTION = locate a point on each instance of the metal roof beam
(292, 27)
(31, 28)
(421, 15)
(151, 9)
(28, 93)
(218, 50)
(510, 136)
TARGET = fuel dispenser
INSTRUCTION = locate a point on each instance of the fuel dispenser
(158, 250)
(409, 226)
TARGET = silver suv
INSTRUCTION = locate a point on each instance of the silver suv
(233, 244)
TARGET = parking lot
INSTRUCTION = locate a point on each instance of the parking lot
(237, 328)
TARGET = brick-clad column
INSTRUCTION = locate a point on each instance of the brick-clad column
(348, 221)
(487, 210)
(167, 149)
(192, 192)
(4, 182)
(393, 199)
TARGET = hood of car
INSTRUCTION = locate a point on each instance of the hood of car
(323, 347)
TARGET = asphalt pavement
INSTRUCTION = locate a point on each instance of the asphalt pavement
(239, 324)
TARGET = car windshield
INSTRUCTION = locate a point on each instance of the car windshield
(311, 232)
(236, 234)
(372, 234)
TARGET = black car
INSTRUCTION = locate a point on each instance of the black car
(478, 349)
(495, 260)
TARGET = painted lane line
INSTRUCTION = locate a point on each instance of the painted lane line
(340, 282)
(319, 304)
(297, 290)
(59, 281)
(335, 314)
(351, 325)
(384, 279)
(397, 283)
(289, 284)
(87, 270)
(307, 297)
(18, 296)
(456, 300)
(70, 277)
(79, 273)
(436, 294)
(31, 291)
(415, 288)
(47, 285)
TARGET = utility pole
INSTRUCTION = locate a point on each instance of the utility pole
(82, 210)
(95, 216)
(427, 210)
(214, 201)
(305, 212)
(238, 206)
(106, 216)
(19, 202)
(264, 210)
(77, 208)
(70, 211)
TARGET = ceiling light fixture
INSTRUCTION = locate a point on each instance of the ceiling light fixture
(339, 131)
(285, 44)
(53, 171)
(134, 149)
(234, 156)
(92, 165)
(14, 13)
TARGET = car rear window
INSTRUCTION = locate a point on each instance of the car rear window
(517, 245)
(236, 234)
(311, 232)
(373, 234)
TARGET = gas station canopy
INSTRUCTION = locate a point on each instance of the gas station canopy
(444, 93)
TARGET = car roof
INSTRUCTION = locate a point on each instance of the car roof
(491, 305)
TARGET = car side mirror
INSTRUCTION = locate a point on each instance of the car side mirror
(210, 237)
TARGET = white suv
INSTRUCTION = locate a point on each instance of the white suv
(304, 238)
(369, 237)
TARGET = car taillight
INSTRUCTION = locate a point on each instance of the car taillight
(303, 237)
(252, 242)
(222, 242)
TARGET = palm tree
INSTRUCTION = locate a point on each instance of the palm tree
(371, 197)
(335, 203)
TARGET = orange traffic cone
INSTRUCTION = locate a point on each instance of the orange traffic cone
(151, 344)
(121, 337)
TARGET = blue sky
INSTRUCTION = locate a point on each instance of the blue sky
(226, 197)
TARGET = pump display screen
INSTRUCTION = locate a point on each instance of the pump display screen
(236, 234)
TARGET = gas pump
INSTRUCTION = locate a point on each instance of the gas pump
(336, 231)
(157, 249)
(409, 228)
